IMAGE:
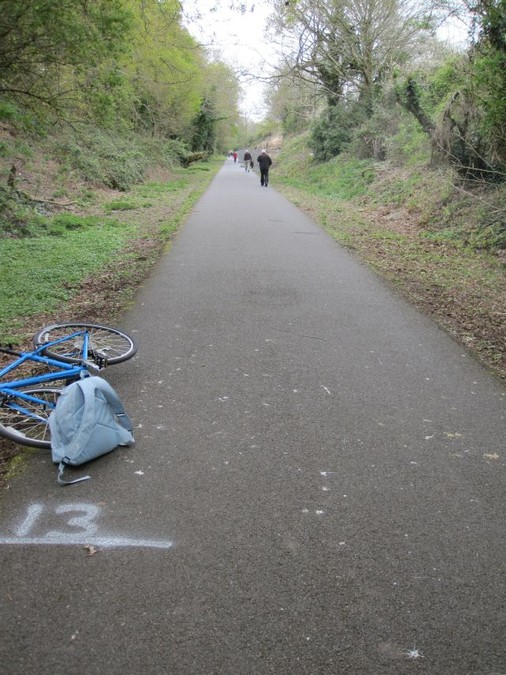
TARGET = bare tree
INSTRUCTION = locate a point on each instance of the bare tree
(348, 46)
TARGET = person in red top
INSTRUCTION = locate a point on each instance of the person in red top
(264, 162)
(235, 156)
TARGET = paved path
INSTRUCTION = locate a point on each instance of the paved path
(317, 484)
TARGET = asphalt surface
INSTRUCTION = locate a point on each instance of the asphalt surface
(317, 484)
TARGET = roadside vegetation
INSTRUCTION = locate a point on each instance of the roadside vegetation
(63, 230)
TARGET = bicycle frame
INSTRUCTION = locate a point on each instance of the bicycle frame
(67, 371)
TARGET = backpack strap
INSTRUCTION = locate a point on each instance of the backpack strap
(114, 401)
(61, 467)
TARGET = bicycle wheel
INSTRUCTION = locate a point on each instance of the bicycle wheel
(109, 343)
(30, 426)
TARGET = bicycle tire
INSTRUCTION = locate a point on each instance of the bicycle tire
(114, 343)
(22, 428)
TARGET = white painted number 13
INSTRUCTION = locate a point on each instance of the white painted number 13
(84, 521)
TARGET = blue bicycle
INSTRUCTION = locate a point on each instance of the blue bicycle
(62, 354)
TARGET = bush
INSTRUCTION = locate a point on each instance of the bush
(331, 133)
(409, 145)
(116, 161)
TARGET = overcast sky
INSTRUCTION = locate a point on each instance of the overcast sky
(240, 41)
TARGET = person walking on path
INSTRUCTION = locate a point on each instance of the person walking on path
(247, 160)
(264, 162)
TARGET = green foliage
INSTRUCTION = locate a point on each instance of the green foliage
(370, 137)
(14, 147)
(199, 167)
(61, 224)
(221, 86)
(48, 48)
(9, 112)
(21, 220)
(165, 69)
(331, 133)
(15, 214)
(204, 127)
(475, 218)
(155, 189)
(459, 101)
(490, 80)
(43, 271)
(93, 156)
(439, 85)
(117, 161)
(344, 177)
(122, 205)
(120, 64)
(409, 145)
(20, 118)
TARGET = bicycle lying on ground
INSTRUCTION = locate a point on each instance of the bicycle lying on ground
(63, 353)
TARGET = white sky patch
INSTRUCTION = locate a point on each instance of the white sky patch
(239, 40)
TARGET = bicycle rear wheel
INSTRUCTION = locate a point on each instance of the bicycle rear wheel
(29, 426)
(109, 343)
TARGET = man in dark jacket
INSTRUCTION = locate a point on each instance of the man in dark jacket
(264, 162)
(248, 159)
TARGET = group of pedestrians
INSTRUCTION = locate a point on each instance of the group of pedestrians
(264, 164)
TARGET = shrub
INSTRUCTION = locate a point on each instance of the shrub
(331, 133)
(409, 145)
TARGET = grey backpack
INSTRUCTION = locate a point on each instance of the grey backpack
(89, 420)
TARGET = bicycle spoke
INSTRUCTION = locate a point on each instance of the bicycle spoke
(25, 421)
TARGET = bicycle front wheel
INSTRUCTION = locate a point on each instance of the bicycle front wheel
(109, 343)
(26, 421)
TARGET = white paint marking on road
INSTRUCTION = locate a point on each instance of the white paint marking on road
(414, 654)
(326, 389)
(34, 511)
(80, 515)
(104, 541)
